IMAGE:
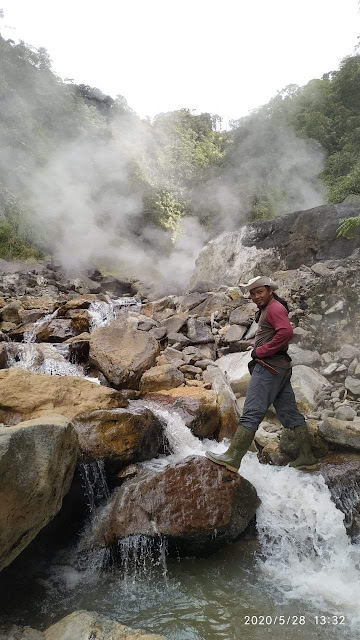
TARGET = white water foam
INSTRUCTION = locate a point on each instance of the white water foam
(102, 313)
(43, 358)
(306, 553)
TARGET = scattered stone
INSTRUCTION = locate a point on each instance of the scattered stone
(320, 269)
(339, 306)
(234, 333)
(303, 356)
(348, 352)
(175, 323)
(345, 412)
(226, 401)
(178, 338)
(58, 330)
(330, 369)
(353, 385)
(164, 376)
(198, 332)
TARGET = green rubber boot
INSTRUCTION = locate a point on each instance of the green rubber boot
(306, 458)
(239, 446)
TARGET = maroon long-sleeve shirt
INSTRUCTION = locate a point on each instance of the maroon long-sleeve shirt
(273, 334)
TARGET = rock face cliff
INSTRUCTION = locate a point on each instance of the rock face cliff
(287, 242)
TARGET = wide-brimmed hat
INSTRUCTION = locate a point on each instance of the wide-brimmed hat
(259, 281)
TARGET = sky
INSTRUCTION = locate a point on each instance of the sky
(223, 57)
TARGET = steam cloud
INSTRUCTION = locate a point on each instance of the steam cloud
(85, 221)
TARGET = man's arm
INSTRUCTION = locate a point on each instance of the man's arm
(278, 318)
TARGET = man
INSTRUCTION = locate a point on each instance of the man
(270, 380)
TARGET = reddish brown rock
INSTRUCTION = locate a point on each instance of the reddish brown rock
(196, 505)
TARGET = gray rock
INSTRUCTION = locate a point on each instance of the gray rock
(348, 352)
(315, 317)
(37, 464)
(303, 356)
(178, 338)
(175, 323)
(306, 384)
(345, 412)
(226, 401)
(320, 269)
(357, 371)
(352, 367)
(353, 385)
(159, 333)
(336, 308)
(341, 432)
(330, 369)
(242, 315)
(234, 333)
(198, 332)
(192, 300)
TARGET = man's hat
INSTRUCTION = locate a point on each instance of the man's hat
(259, 281)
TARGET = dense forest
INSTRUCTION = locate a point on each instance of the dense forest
(73, 158)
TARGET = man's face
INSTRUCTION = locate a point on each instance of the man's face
(261, 296)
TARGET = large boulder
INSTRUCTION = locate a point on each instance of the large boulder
(197, 406)
(345, 433)
(25, 395)
(122, 353)
(285, 242)
(304, 356)
(226, 401)
(86, 625)
(37, 464)
(196, 505)
(235, 367)
(306, 384)
(120, 436)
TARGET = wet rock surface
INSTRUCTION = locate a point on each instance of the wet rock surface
(196, 505)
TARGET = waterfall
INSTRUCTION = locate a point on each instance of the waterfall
(306, 552)
(102, 313)
(30, 336)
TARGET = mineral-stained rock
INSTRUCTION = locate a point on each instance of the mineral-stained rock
(197, 505)
(45, 303)
(82, 302)
(25, 395)
(10, 313)
(80, 320)
(164, 376)
(345, 433)
(86, 625)
(197, 406)
(122, 354)
(37, 463)
(119, 436)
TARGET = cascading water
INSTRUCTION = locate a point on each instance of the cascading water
(102, 313)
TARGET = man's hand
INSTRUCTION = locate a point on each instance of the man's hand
(244, 345)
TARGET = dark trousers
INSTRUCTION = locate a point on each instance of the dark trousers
(265, 389)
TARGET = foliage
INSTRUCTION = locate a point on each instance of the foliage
(348, 227)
